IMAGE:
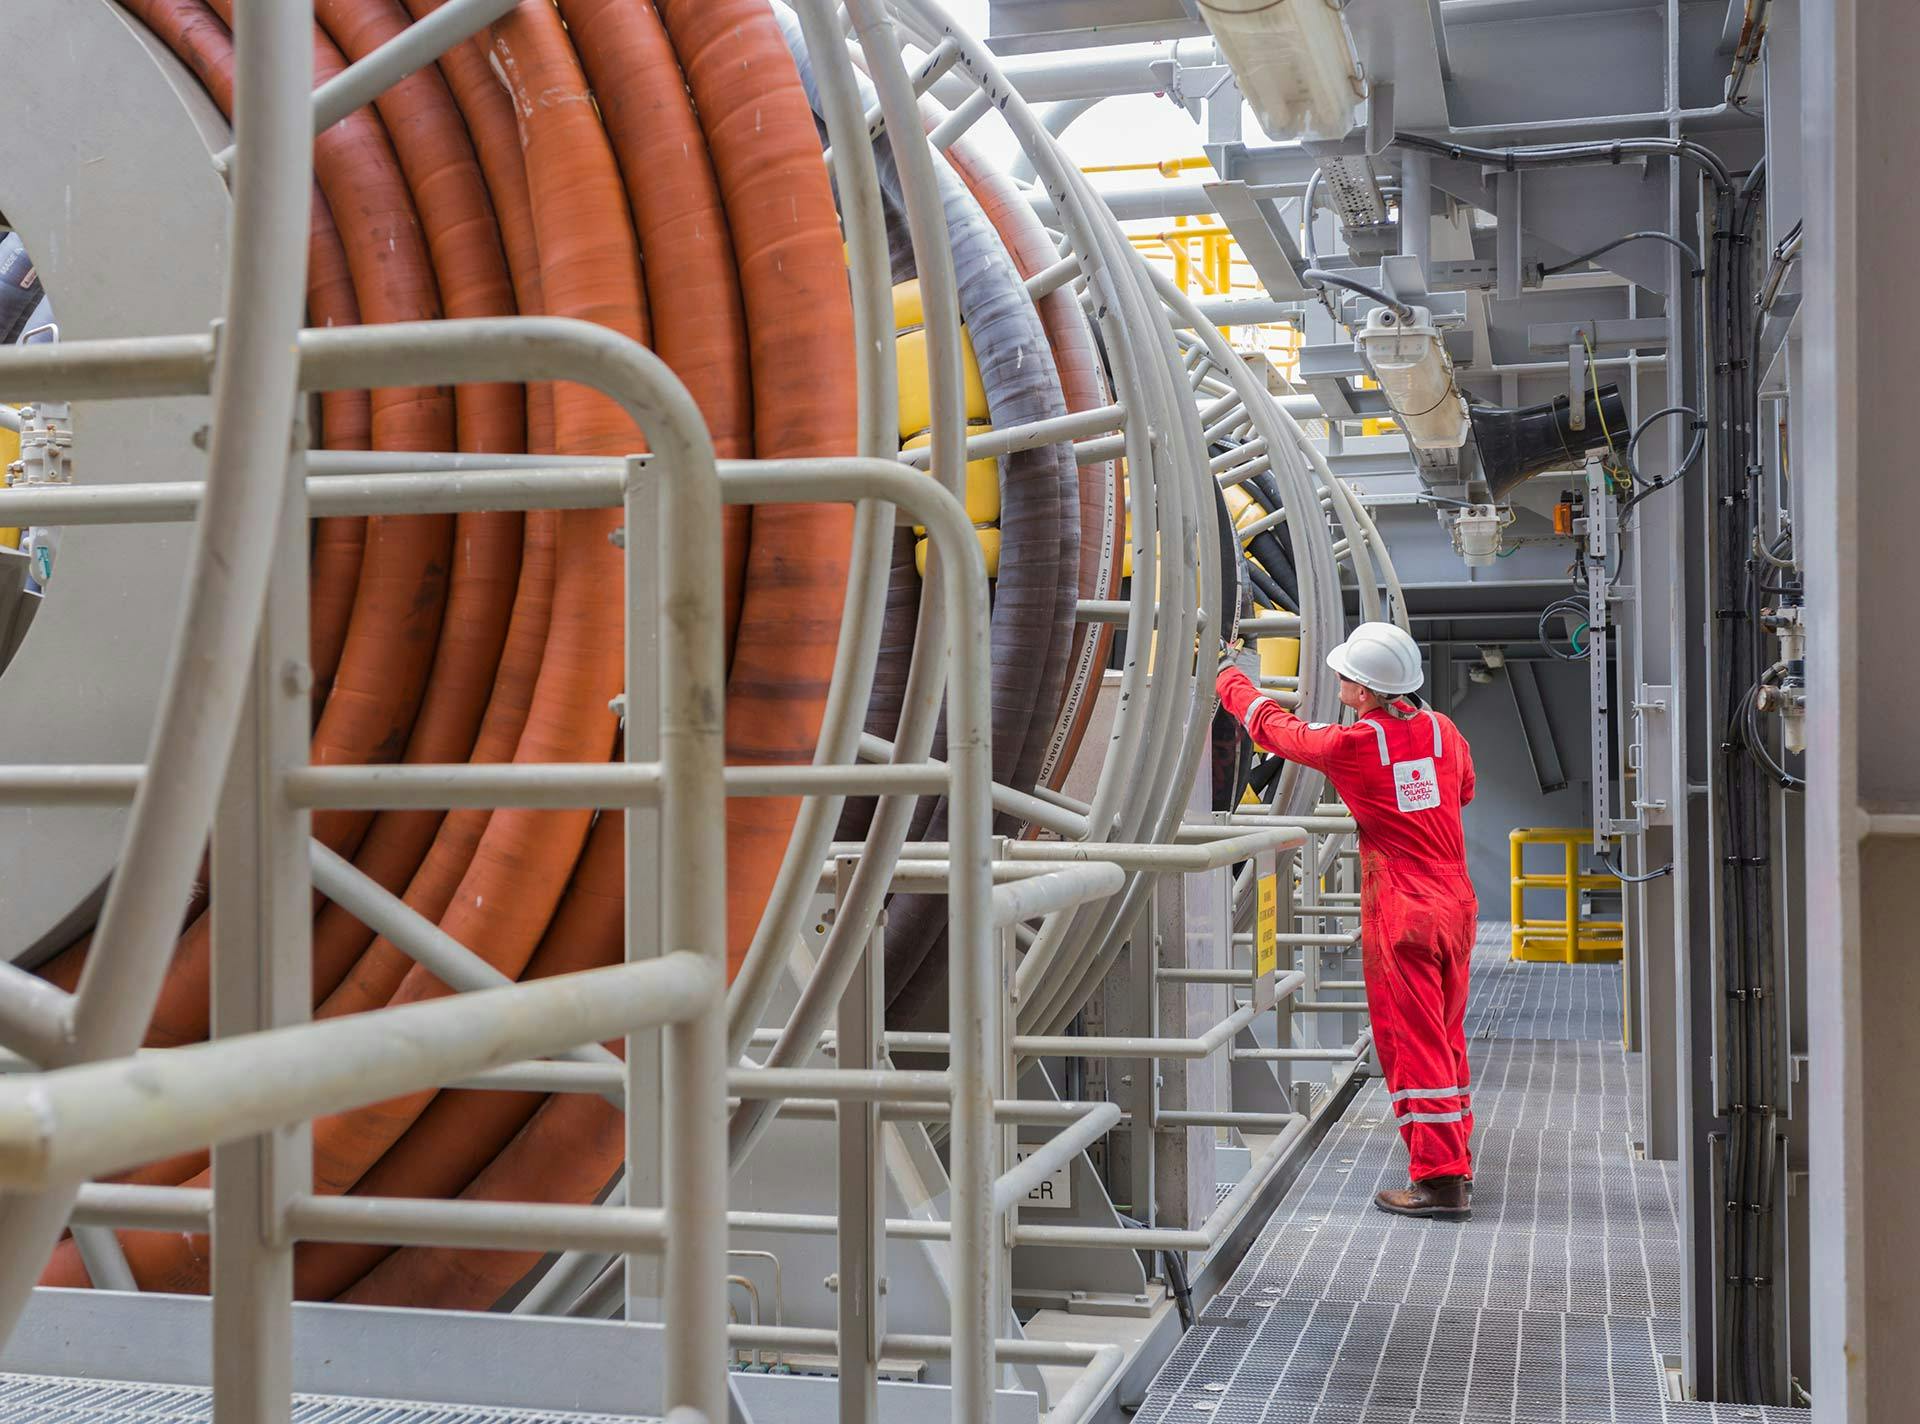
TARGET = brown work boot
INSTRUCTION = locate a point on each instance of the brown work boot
(1437, 1198)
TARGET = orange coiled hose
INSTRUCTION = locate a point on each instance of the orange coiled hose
(486, 547)
(590, 269)
(496, 880)
(572, 1145)
(693, 289)
(376, 977)
(402, 583)
(496, 138)
(464, 241)
(793, 277)
(368, 983)
(462, 1132)
(398, 611)
(346, 423)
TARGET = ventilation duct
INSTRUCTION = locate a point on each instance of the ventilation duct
(1518, 443)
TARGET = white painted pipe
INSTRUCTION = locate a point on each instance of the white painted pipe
(98, 1118)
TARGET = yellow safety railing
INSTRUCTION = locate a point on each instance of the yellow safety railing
(1200, 256)
(9, 452)
(1570, 939)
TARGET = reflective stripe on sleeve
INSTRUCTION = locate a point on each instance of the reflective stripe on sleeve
(1246, 717)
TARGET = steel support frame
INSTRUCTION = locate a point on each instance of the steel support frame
(693, 900)
(262, 923)
(1863, 778)
(186, 360)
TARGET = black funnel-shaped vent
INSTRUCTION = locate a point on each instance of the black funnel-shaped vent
(1517, 444)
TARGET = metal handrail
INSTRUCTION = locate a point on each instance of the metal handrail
(1135, 808)
(97, 1118)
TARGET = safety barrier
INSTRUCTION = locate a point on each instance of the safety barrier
(1572, 938)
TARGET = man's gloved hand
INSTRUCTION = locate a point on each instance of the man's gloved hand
(1237, 654)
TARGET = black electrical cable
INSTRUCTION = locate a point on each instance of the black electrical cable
(1175, 1267)
(1625, 879)
(1644, 426)
(1033, 604)
(1265, 773)
(1267, 552)
(1754, 739)
(1745, 1366)
(1658, 483)
(1565, 154)
(20, 289)
(1650, 235)
(1232, 754)
(1354, 284)
(1564, 606)
(1274, 547)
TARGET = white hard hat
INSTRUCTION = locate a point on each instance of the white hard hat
(1381, 657)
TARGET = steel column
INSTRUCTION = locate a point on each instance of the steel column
(1863, 774)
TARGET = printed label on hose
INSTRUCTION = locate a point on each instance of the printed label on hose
(1415, 785)
(1266, 925)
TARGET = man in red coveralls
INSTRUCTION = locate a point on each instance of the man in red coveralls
(1404, 772)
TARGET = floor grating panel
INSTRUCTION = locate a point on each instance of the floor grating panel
(43, 1399)
(1555, 1304)
(1511, 999)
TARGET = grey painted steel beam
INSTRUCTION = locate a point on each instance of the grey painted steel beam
(1264, 236)
(1635, 332)
(1536, 727)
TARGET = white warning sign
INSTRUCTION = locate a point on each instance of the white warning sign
(1056, 1191)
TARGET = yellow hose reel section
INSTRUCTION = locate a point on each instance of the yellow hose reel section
(1279, 657)
(9, 453)
(916, 422)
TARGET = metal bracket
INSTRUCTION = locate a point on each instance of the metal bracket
(1600, 335)
(1264, 236)
(1380, 128)
(1653, 741)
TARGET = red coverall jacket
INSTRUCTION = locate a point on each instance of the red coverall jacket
(1405, 782)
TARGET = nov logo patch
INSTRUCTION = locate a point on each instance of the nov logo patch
(1415, 786)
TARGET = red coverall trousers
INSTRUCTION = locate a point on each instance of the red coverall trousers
(1416, 938)
(1405, 779)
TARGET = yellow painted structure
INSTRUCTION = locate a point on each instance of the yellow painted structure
(1569, 939)
(9, 452)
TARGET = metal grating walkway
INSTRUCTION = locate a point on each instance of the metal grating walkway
(1556, 1304)
(43, 1399)
(1560, 1001)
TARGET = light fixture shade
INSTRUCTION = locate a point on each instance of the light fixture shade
(1410, 361)
(1295, 63)
(1476, 535)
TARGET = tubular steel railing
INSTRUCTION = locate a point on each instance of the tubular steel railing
(231, 751)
